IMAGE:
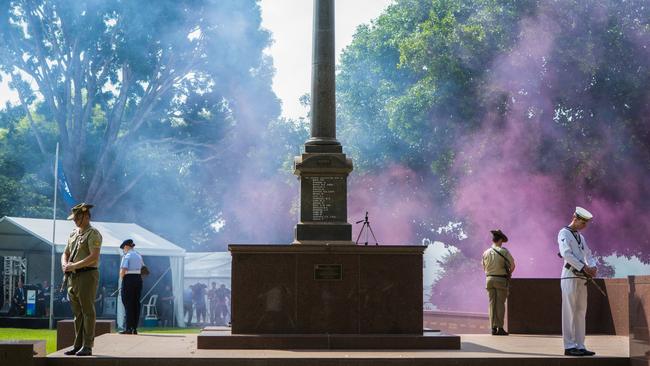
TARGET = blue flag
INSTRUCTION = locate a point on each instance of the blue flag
(64, 188)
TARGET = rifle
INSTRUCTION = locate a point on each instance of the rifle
(590, 279)
(66, 275)
(582, 274)
(64, 282)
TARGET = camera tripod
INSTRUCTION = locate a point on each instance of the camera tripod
(366, 225)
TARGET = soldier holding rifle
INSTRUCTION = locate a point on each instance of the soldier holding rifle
(579, 268)
(80, 262)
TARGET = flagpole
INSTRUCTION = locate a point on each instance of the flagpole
(53, 253)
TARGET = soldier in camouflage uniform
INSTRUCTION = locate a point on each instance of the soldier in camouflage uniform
(80, 261)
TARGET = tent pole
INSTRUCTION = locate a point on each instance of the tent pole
(53, 252)
(156, 284)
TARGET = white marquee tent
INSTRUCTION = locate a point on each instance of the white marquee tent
(208, 267)
(32, 238)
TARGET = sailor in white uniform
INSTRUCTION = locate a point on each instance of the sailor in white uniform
(579, 264)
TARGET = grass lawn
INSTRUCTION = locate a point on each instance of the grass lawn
(27, 334)
(50, 335)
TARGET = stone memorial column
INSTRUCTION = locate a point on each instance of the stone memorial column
(283, 295)
(323, 169)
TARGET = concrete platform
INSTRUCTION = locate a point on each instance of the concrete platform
(223, 339)
(483, 350)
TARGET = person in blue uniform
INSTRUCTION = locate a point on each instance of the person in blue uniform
(131, 285)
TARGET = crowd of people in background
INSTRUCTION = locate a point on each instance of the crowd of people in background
(211, 306)
(18, 306)
(202, 304)
(19, 299)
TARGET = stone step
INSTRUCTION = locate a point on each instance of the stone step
(221, 339)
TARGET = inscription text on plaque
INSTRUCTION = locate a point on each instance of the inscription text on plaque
(326, 193)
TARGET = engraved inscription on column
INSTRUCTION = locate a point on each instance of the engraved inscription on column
(326, 195)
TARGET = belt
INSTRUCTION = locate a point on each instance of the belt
(85, 269)
(568, 266)
(501, 276)
(133, 272)
(573, 270)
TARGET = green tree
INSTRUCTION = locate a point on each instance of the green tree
(410, 82)
(430, 83)
(22, 192)
(151, 101)
(117, 75)
(506, 109)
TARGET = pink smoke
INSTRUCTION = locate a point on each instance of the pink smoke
(501, 185)
(260, 210)
(396, 200)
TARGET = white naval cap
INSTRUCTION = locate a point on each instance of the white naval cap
(583, 213)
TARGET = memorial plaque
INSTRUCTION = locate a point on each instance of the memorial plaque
(328, 272)
(324, 198)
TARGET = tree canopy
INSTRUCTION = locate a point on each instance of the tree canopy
(511, 113)
(150, 100)
(460, 116)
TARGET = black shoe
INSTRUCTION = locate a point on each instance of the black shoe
(134, 331)
(573, 352)
(494, 331)
(501, 332)
(85, 352)
(126, 331)
(586, 352)
(72, 351)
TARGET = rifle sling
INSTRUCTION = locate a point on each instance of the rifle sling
(73, 254)
(507, 266)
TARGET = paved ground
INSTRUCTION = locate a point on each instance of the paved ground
(160, 346)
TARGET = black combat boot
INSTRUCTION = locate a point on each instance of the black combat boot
(72, 351)
(85, 351)
(573, 352)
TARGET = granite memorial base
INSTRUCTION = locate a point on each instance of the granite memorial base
(639, 309)
(605, 314)
(335, 289)
(23, 352)
(219, 339)
(327, 296)
(65, 331)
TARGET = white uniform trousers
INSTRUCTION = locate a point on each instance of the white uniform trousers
(574, 311)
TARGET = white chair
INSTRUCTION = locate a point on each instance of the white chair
(150, 308)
